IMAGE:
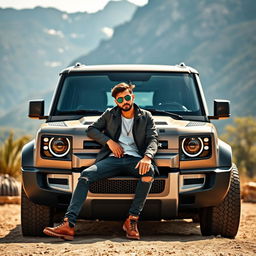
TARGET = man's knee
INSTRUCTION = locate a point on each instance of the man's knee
(84, 175)
(147, 179)
(84, 178)
(89, 174)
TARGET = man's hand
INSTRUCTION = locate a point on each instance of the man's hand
(115, 148)
(144, 165)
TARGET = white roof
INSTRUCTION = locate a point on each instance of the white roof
(131, 67)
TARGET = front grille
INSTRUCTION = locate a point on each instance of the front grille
(108, 186)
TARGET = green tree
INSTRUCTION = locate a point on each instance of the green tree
(10, 155)
(242, 138)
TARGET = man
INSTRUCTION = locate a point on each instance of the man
(129, 140)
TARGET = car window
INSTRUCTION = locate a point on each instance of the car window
(174, 92)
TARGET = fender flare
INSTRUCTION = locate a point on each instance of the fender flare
(27, 154)
(224, 154)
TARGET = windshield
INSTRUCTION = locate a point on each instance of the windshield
(172, 92)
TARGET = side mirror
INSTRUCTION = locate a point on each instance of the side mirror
(36, 109)
(221, 109)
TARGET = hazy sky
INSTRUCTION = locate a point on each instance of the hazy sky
(64, 5)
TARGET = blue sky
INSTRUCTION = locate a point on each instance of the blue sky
(64, 5)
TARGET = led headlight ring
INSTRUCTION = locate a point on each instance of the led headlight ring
(60, 139)
(189, 154)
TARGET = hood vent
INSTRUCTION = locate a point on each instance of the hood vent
(196, 124)
(161, 123)
(57, 124)
(88, 122)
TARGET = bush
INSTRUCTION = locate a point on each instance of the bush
(242, 138)
(10, 155)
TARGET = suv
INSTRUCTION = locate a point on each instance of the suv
(197, 178)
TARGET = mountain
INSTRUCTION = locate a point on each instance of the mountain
(215, 37)
(35, 44)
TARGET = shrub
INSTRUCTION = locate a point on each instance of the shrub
(10, 155)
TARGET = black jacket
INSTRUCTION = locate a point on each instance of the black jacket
(108, 126)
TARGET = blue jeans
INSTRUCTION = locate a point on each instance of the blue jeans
(107, 168)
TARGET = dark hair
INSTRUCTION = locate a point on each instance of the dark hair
(121, 87)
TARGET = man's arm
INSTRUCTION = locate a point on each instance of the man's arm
(151, 138)
(94, 131)
(152, 146)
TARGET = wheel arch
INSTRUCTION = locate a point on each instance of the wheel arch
(27, 154)
(224, 154)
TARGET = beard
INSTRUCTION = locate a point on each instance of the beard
(126, 109)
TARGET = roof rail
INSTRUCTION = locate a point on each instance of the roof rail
(182, 64)
(78, 64)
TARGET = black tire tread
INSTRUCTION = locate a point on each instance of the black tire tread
(34, 217)
(224, 219)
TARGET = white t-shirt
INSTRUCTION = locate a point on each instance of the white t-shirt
(126, 139)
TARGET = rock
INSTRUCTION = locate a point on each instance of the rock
(9, 199)
(8, 186)
(249, 192)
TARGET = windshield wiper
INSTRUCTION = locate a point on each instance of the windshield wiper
(153, 110)
(80, 112)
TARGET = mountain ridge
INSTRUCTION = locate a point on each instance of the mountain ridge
(40, 41)
(207, 35)
(216, 38)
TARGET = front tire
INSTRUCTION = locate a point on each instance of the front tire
(224, 218)
(34, 217)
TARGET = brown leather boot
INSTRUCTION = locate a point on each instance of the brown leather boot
(130, 227)
(63, 231)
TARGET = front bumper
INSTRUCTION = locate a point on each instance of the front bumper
(164, 205)
(214, 190)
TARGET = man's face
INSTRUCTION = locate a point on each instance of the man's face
(124, 100)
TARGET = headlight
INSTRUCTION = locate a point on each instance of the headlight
(54, 146)
(59, 147)
(192, 146)
(196, 147)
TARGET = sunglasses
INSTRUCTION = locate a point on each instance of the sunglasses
(126, 97)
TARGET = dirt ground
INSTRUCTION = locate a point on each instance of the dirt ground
(105, 238)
